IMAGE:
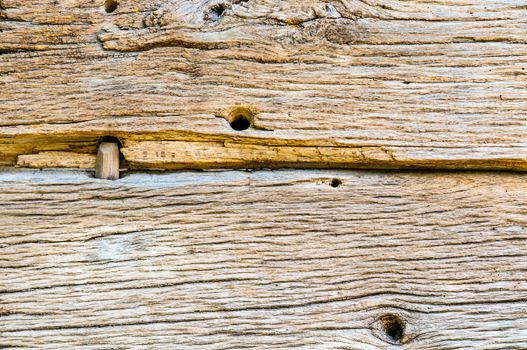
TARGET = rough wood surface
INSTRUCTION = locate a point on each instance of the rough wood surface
(421, 77)
(228, 155)
(57, 160)
(263, 260)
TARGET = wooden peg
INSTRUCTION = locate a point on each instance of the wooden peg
(107, 166)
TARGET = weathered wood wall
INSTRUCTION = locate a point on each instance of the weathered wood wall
(317, 259)
(263, 260)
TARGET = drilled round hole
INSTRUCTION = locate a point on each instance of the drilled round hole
(240, 123)
(393, 327)
(110, 6)
(336, 183)
(240, 118)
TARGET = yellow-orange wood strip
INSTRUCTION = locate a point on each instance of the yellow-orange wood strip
(57, 160)
(218, 155)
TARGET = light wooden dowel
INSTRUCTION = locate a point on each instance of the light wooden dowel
(107, 166)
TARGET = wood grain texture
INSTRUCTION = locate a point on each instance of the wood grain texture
(57, 160)
(263, 260)
(434, 77)
(233, 155)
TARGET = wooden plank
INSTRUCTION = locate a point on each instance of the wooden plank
(233, 155)
(430, 77)
(265, 260)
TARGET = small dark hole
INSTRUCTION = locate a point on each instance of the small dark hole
(215, 12)
(240, 123)
(240, 118)
(111, 139)
(393, 327)
(114, 139)
(110, 6)
(336, 183)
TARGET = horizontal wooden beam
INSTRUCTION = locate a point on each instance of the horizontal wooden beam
(424, 81)
(218, 155)
(266, 259)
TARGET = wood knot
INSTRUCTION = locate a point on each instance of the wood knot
(391, 328)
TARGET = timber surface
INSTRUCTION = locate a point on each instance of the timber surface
(434, 84)
(263, 260)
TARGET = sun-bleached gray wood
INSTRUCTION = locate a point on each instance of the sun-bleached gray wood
(263, 260)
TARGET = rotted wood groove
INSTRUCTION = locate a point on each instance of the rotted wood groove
(265, 260)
